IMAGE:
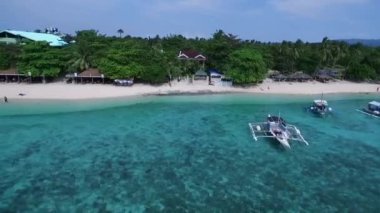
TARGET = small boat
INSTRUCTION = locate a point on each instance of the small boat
(372, 109)
(320, 107)
(276, 127)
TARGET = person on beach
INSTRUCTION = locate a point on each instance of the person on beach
(377, 89)
(5, 99)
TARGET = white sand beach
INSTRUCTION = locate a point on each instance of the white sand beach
(63, 91)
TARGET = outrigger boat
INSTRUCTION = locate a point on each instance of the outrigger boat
(276, 127)
(320, 107)
(372, 109)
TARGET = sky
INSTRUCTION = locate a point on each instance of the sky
(262, 20)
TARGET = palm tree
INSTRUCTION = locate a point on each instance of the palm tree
(326, 52)
(120, 31)
(291, 53)
(79, 62)
(84, 50)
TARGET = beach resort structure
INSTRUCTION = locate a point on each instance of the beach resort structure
(15, 37)
(218, 79)
(215, 76)
(327, 74)
(321, 75)
(11, 75)
(297, 76)
(192, 55)
(200, 75)
(87, 76)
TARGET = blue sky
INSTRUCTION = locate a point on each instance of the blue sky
(264, 20)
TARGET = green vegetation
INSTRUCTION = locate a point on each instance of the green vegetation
(41, 60)
(154, 60)
(8, 56)
(246, 66)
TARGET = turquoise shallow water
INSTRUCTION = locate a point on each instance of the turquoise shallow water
(186, 153)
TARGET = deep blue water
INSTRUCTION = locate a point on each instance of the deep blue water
(186, 153)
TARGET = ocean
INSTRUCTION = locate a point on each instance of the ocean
(187, 154)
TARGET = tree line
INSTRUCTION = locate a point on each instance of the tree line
(154, 60)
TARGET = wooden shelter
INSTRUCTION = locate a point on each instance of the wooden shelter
(336, 73)
(279, 77)
(299, 76)
(323, 78)
(10, 75)
(90, 75)
(200, 75)
(273, 73)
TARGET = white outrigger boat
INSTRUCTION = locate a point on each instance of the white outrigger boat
(275, 127)
(372, 109)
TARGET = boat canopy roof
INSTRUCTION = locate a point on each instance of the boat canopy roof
(320, 102)
(374, 103)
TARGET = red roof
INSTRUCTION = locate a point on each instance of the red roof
(191, 54)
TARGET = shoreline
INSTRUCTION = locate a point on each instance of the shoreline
(72, 92)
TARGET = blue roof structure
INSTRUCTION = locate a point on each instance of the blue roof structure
(374, 103)
(53, 40)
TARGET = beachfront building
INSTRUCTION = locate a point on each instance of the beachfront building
(322, 77)
(21, 37)
(89, 76)
(192, 55)
(200, 75)
(279, 77)
(299, 76)
(11, 75)
(194, 63)
(329, 73)
(273, 73)
(215, 77)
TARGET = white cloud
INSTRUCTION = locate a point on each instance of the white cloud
(310, 8)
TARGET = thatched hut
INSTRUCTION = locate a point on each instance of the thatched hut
(279, 77)
(323, 78)
(10, 75)
(90, 76)
(273, 73)
(299, 76)
(336, 73)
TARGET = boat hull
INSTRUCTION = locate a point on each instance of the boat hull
(282, 138)
(317, 111)
(284, 142)
(369, 112)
